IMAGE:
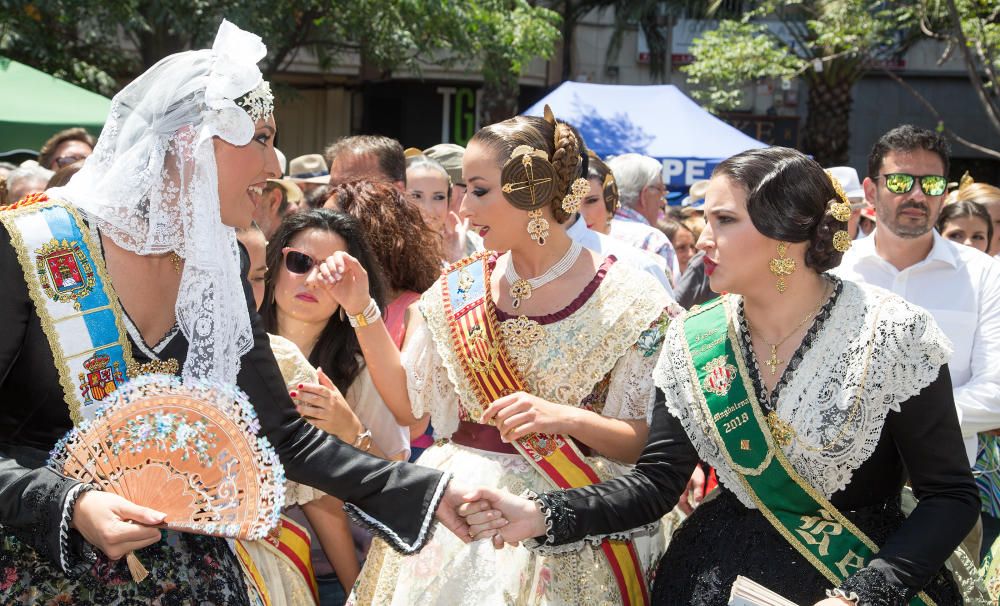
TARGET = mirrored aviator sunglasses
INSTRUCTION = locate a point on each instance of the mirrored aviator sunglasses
(901, 183)
(297, 262)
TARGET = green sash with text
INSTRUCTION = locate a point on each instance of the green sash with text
(807, 520)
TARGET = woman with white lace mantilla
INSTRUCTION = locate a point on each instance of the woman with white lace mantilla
(145, 234)
(815, 399)
(535, 368)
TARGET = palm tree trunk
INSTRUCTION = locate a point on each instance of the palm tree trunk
(827, 130)
(500, 90)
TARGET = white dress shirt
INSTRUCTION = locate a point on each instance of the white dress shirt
(623, 251)
(960, 287)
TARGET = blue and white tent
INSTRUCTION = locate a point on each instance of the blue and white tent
(658, 121)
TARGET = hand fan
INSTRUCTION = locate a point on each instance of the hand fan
(189, 450)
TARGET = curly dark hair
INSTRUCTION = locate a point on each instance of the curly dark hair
(907, 138)
(408, 250)
(337, 351)
(788, 199)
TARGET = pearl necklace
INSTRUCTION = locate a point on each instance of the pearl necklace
(520, 289)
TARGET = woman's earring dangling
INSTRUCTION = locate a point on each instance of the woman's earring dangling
(782, 266)
(538, 227)
(343, 316)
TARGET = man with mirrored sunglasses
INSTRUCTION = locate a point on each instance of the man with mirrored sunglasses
(958, 285)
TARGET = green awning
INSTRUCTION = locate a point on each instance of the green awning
(35, 105)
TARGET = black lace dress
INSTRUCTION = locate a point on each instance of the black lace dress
(723, 538)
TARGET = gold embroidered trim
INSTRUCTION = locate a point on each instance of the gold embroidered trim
(7, 217)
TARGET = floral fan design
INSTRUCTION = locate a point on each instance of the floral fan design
(189, 450)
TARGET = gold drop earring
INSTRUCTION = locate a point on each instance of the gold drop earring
(538, 226)
(782, 266)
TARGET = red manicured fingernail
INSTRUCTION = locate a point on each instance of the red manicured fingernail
(294, 394)
(300, 385)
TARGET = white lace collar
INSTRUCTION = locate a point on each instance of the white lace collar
(907, 351)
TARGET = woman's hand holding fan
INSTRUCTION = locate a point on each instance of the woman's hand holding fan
(190, 451)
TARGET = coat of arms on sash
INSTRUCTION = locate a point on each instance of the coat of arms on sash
(482, 354)
(64, 271)
(102, 378)
(719, 376)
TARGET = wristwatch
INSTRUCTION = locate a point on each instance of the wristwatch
(364, 440)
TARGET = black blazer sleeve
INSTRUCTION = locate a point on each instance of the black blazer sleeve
(640, 497)
(31, 495)
(396, 500)
(927, 436)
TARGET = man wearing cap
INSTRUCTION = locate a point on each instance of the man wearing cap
(309, 172)
(848, 178)
(642, 194)
(278, 198)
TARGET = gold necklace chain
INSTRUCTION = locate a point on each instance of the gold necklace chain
(783, 431)
(773, 362)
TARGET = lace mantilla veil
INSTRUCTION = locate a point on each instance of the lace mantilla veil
(151, 185)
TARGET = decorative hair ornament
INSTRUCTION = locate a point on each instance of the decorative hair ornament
(610, 189)
(579, 189)
(528, 178)
(840, 208)
(548, 115)
(259, 102)
(965, 181)
(782, 266)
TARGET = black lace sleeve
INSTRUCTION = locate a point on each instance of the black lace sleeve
(635, 499)
(928, 438)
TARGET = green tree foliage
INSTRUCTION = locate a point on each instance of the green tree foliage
(828, 43)
(81, 40)
(971, 29)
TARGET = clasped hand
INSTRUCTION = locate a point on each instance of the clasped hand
(521, 414)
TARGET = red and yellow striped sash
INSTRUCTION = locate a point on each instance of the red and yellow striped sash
(475, 333)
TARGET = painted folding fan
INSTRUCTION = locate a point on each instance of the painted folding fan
(189, 450)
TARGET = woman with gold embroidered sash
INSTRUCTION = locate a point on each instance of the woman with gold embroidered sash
(530, 383)
(816, 399)
(133, 267)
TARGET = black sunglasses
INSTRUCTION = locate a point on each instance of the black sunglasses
(298, 262)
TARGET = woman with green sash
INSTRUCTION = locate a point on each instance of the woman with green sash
(816, 400)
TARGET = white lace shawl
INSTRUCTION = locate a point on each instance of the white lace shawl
(907, 348)
(151, 186)
(573, 354)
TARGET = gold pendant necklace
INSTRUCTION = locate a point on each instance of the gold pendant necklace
(773, 362)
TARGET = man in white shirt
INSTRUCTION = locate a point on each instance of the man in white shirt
(642, 195)
(623, 251)
(958, 285)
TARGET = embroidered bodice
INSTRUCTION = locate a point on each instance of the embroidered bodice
(869, 352)
(605, 343)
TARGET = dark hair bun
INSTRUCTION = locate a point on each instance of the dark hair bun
(788, 199)
(821, 255)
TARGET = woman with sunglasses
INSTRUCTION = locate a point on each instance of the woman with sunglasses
(527, 380)
(815, 399)
(148, 223)
(346, 404)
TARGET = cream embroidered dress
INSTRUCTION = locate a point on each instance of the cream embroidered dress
(598, 353)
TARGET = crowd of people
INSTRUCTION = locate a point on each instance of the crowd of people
(792, 376)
